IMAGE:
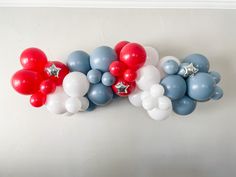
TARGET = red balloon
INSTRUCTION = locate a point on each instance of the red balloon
(133, 55)
(26, 82)
(117, 68)
(129, 75)
(119, 46)
(56, 71)
(33, 59)
(123, 88)
(38, 99)
(47, 86)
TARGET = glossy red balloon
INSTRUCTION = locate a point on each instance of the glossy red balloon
(117, 68)
(119, 46)
(56, 71)
(38, 99)
(133, 55)
(33, 59)
(26, 82)
(47, 86)
(123, 88)
(129, 75)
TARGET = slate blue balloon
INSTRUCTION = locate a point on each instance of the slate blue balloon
(100, 94)
(199, 61)
(216, 76)
(94, 76)
(175, 86)
(108, 79)
(79, 61)
(218, 93)
(91, 107)
(201, 86)
(102, 57)
(184, 105)
(170, 67)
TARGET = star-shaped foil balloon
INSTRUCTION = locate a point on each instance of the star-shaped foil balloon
(53, 70)
(121, 87)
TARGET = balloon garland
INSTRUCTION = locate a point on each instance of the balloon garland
(129, 70)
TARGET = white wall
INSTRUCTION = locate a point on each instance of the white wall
(118, 140)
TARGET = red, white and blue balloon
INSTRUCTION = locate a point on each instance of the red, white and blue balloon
(86, 81)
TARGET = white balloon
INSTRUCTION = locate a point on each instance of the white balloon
(56, 101)
(164, 103)
(152, 56)
(149, 103)
(147, 76)
(73, 105)
(158, 114)
(162, 61)
(84, 103)
(145, 94)
(135, 98)
(157, 90)
(75, 84)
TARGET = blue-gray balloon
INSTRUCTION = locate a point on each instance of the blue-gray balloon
(108, 79)
(184, 105)
(79, 61)
(175, 86)
(216, 76)
(201, 86)
(91, 107)
(100, 94)
(218, 93)
(199, 61)
(102, 57)
(170, 67)
(94, 76)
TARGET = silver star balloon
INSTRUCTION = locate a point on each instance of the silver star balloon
(53, 70)
(121, 87)
(187, 70)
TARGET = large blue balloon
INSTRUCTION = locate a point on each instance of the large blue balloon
(100, 94)
(184, 105)
(201, 86)
(175, 86)
(79, 61)
(102, 57)
(199, 61)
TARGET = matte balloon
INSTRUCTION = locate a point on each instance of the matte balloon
(149, 103)
(102, 57)
(216, 76)
(108, 79)
(152, 57)
(159, 114)
(199, 61)
(218, 93)
(94, 76)
(26, 82)
(175, 86)
(184, 105)
(201, 86)
(91, 107)
(47, 86)
(119, 46)
(170, 67)
(133, 55)
(157, 90)
(79, 61)
(100, 94)
(38, 99)
(135, 98)
(164, 103)
(33, 59)
(73, 105)
(75, 84)
(85, 103)
(147, 76)
(56, 101)
(163, 60)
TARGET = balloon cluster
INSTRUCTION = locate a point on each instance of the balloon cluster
(129, 70)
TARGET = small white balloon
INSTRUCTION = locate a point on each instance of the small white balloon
(73, 105)
(157, 90)
(149, 103)
(135, 98)
(164, 103)
(75, 84)
(162, 61)
(84, 103)
(152, 56)
(56, 101)
(147, 76)
(145, 94)
(158, 114)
